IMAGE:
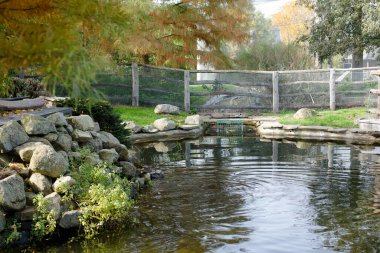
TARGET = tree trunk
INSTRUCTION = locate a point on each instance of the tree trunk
(357, 62)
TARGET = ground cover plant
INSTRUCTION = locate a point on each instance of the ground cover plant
(145, 115)
(339, 118)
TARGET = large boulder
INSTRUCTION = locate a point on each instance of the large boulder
(166, 109)
(54, 204)
(63, 142)
(132, 126)
(63, 183)
(108, 155)
(304, 113)
(12, 193)
(12, 135)
(70, 219)
(164, 124)
(122, 151)
(92, 159)
(81, 136)
(58, 119)
(109, 141)
(47, 161)
(25, 151)
(194, 120)
(82, 122)
(37, 125)
(40, 183)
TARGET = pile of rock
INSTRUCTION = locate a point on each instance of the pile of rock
(35, 158)
(164, 124)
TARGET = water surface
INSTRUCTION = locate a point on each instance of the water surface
(243, 195)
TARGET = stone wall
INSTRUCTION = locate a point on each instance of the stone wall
(35, 157)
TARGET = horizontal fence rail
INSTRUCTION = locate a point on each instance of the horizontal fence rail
(203, 90)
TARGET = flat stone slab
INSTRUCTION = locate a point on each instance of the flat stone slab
(264, 118)
(188, 127)
(44, 112)
(171, 135)
(369, 124)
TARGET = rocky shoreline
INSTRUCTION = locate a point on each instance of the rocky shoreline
(36, 155)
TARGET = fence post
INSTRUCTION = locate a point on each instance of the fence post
(332, 90)
(276, 94)
(186, 80)
(135, 84)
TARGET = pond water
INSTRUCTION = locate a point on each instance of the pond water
(242, 195)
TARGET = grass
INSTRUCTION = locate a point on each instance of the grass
(345, 118)
(145, 115)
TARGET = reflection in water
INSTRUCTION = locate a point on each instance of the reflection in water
(244, 195)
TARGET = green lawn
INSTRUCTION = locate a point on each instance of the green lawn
(339, 118)
(145, 115)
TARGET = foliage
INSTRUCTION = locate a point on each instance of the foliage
(102, 196)
(102, 112)
(273, 56)
(344, 26)
(292, 20)
(31, 87)
(43, 221)
(11, 233)
(338, 118)
(145, 115)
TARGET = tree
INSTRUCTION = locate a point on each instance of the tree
(343, 26)
(292, 21)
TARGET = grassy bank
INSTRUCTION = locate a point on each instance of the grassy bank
(340, 118)
(145, 115)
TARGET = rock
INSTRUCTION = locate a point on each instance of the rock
(109, 141)
(82, 122)
(29, 198)
(133, 156)
(27, 214)
(156, 174)
(70, 219)
(62, 130)
(20, 168)
(3, 222)
(25, 151)
(12, 135)
(132, 126)
(36, 125)
(67, 205)
(194, 120)
(48, 162)
(164, 124)
(122, 151)
(58, 119)
(166, 109)
(38, 139)
(12, 193)
(74, 155)
(92, 159)
(305, 113)
(147, 178)
(116, 169)
(94, 144)
(64, 154)
(162, 147)
(63, 142)
(188, 127)
(5, 159)
(40, 183)
(54, 205)
(81, 136)
(63, 183)
(149, 129)
(128, 169)
(69, 129)
(141, 182)
(108, 155)
(51, 137)
(75, 146)
(96, 127)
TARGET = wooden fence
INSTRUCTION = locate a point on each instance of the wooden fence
(245, 89)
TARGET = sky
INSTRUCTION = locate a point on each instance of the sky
(269, 7)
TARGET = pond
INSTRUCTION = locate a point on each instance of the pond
(224, 194)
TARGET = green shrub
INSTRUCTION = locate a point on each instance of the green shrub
(11, 233)
(31, 87)
(102, 112)
(43, 221)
